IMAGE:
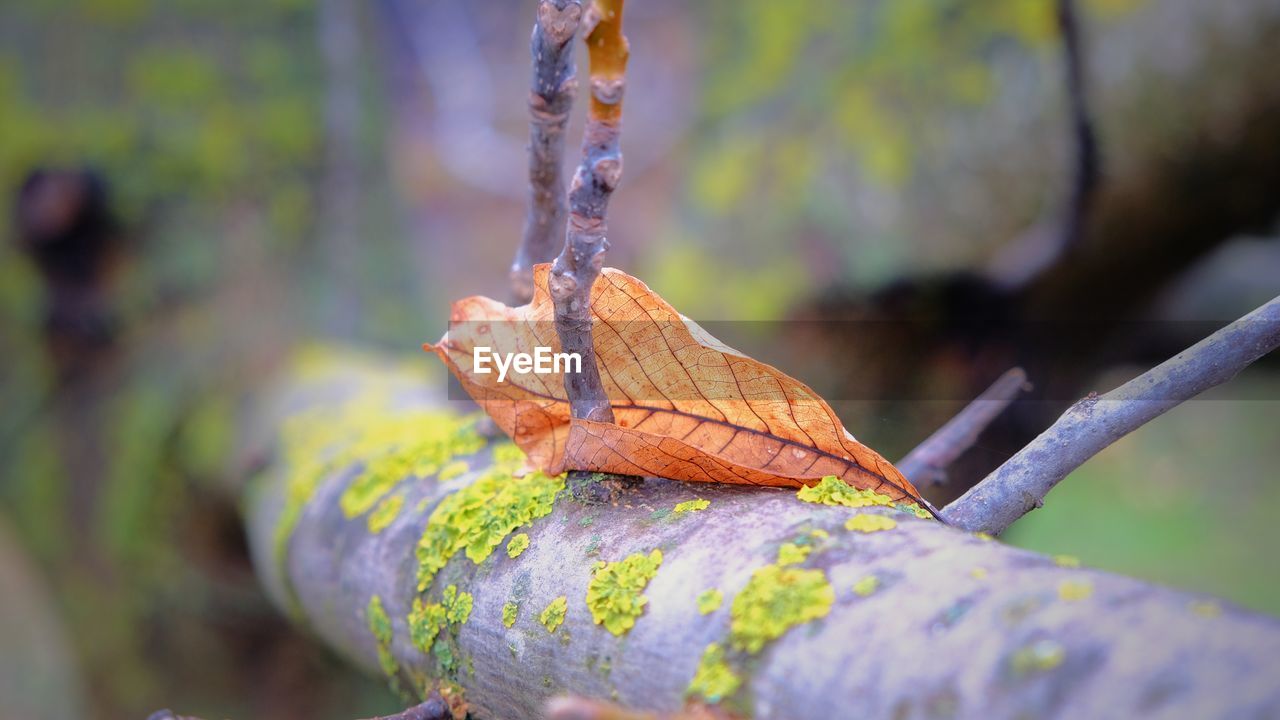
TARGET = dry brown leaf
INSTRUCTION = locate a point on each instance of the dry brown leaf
(686, 406)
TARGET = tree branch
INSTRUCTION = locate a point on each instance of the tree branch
(928, 462)
(576, 269)
(554, 85)
(947, 619)
(1020, 484)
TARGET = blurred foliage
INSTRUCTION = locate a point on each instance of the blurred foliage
(806, 107)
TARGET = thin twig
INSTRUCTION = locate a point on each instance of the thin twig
(576, 269)
(927, 463)
(554, 85)
(1020, 484)
(1086, 166)
(1035, 251)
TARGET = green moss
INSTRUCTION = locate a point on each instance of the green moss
(509, 613)
(868, 523)
(1039, 656)
(692, 505)
(792, 554)
(710, 600)
(614, 594)
(386, 512)
(714, 679)
(775, 600)
(476, 518)
(831, 490)
(867, 585)
(553, 614)
(517, 544)
(452, 470)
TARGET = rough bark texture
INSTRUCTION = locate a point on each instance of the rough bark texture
(555, 83)
(1020, 484)
(578, 265)
(958, 626)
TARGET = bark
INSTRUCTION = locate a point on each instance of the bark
(960, 626)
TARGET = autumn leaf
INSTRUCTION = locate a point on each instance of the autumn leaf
(685, 406)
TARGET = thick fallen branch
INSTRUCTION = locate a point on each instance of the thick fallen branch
(555, 83)
(576, 269)
(917, 620)
(1021, 483)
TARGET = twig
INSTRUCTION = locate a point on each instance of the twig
(1086, 168)
(1020, 484)
(1035, 251)
(555, 83)
(928, 462)
(578, 265)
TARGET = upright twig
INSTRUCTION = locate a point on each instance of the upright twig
(1030, 255)
(1020, 484)
(1086, 162)
(555, 82)
(578, 265)
(927, 463)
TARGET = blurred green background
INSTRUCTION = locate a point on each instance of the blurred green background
(283, 170)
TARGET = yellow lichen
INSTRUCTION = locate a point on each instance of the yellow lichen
(775, 600)
(1073, 590)
(457, 606)
(452, 470)
(553, 615)
(868, 523)
(401, 445)
(476, 518)
(692, 505)
(517, 544)
(1039, 656)
(509, 612)
(315, 444)
(1206, 608)
(1066, 561)
(792, 554)
(714, 680)
(614, 594)
(426, 620)
(831, 490)
(385, 513)
(710, 600)
(867, 585)
(509, 455)
(914, 509)
(380, 626)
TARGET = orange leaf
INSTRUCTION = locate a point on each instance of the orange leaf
(686, 407)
